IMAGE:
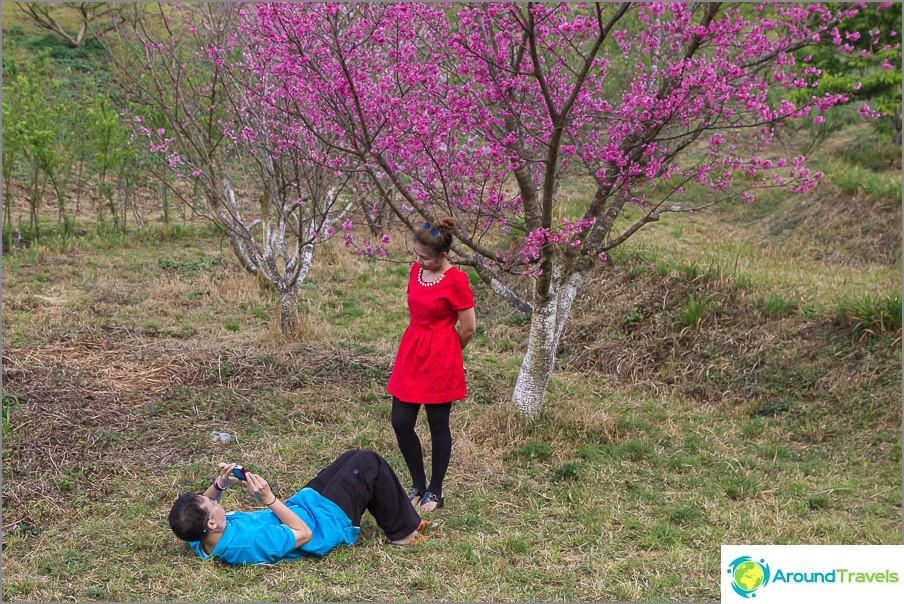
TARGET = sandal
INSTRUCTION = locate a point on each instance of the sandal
(414, 493)
(414, 541)
(430, 497)
(424, 524)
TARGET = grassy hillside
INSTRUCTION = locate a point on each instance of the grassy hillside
(660, 440)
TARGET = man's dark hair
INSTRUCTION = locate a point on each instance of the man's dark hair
(187, 518)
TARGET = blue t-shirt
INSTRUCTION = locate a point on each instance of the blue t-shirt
(261, 538)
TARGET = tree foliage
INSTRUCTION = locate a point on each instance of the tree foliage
(480, 110)
(862, 59)
(30, 117)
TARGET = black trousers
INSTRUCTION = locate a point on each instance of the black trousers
(362, 480)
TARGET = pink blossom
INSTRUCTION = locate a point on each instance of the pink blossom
(442, 126)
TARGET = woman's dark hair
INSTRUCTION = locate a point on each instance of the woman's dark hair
(187, 518)
(437, 236)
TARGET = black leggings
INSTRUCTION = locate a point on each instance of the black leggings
(404, 417)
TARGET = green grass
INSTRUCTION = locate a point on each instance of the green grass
(9, 401)
(869, 314)
(853, 179)
(694, 311)
(778, 306)
(608, 485)
(872, 152)
(743, 245)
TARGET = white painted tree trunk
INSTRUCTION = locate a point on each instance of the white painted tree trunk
(288, 310)
(538, 362)
(288, 293)
(546, 325)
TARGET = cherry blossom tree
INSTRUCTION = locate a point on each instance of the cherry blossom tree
(239, 159)
(482, 110)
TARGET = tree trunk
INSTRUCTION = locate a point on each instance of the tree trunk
(550, 312)
(8, 198)
(166, 218)
(33, 202)
(538, 362)
(78, 187)
(307, 258)
(896, 117)
(288, 309)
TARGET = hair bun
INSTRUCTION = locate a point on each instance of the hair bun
(446, 224)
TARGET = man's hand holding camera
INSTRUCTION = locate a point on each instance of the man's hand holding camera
(259, 488)
(232, 473)
(226, 478)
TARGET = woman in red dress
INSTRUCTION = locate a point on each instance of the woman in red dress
(428, 368)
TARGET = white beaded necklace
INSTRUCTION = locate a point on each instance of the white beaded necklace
(420, 278)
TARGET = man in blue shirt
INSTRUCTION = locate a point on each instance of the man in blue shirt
(325, 513)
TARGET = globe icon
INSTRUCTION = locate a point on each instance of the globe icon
(748, 575)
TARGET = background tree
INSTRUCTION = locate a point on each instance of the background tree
(111, 156)
(862, 59)
(60, 78)
(89, 18)
(30, 131)
(482, 109)
(258, 177)
(11, 150)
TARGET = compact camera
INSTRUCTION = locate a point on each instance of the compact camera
(239, 472)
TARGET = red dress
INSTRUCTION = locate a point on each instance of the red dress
(428, 366)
